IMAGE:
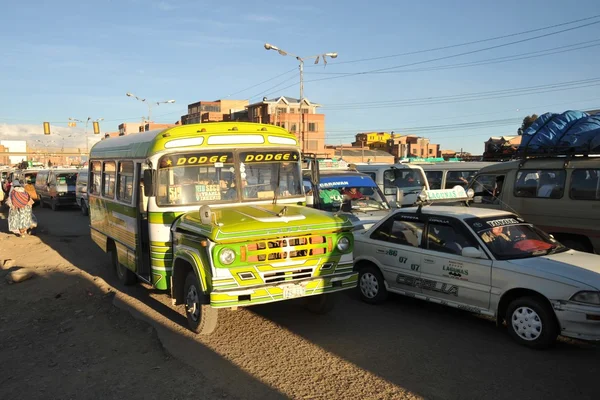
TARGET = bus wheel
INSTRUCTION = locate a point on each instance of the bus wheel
(125, 275)
(202, 318)
(320, 304)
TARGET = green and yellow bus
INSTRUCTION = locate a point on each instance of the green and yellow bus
(215, 214)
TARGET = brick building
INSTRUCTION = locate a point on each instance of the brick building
(127, 128)
(408, 146)
(215, 111)
(373, 140)
(4, 160)
(308, 126)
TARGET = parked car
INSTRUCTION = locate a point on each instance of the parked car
(81, 196)
(484, 261)
(56, 187)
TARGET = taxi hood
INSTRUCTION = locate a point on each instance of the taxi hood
(571, 264)
(235, 224)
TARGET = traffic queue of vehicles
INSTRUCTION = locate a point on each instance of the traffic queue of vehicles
(220, 224)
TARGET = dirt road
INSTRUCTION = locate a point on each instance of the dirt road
(61, 336)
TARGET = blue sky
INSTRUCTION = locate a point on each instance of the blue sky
(77, 59)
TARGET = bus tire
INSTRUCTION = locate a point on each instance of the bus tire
(320, 304)
(125, 275)
(202, 318)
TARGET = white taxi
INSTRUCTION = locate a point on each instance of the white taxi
(484, 261)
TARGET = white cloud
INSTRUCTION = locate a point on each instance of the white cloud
(260, 18)
(34, 135)
(164, 6)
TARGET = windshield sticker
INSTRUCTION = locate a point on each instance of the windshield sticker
(439, 221)
(208, 192)
(268, 156)
(427, 284)
(333, 184)
(502, 222)
(410, 217)
(196, 159)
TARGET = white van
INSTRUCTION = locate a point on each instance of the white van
(560, 195)
(409, 179)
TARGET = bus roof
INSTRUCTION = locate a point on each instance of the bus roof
(199, 136)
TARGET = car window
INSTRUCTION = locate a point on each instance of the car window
(447, 239)
(585, 184)
(488, 187)
(540, 183)
(398, 231)
(434, 178)
(458, 178)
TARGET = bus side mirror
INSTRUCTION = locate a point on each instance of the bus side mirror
(148, 182)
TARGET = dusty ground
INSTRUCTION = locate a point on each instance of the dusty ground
(73, 332)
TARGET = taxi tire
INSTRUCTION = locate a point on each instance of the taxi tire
(546, 315)
(320, 304)
(370, 271)
(206, 322)
(53, 204)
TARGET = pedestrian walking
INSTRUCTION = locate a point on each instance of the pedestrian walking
(20, 216)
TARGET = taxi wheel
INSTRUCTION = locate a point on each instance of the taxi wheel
(202, 318)
(531, 322)
(54, 204)
(371, 285)
(320, 304)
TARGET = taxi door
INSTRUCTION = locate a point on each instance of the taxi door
(446, 274)
(396, 244)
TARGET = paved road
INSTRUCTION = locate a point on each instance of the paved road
(401, 349)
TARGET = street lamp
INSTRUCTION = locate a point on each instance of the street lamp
(87, 121)
(324, 56)
(149, 103)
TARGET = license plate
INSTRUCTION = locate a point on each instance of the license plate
(289, 292)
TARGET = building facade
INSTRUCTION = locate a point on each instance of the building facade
(215, 111)
(410, 146)
(373, 140)
(300, 118)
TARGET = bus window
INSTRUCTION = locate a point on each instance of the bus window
(108, 179)
(585, 184)
(260, 180)
(95, 178)
(125, 181)
(540, 183)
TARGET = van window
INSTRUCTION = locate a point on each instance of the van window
(66, 179)
(96, 171)
(434, 178)
(405, 179)
(540, 183)
(108, 179)
(585, 184)
(458, 178)
(488, 187)
(125, 184)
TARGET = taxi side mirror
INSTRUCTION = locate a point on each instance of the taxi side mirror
(471, 252)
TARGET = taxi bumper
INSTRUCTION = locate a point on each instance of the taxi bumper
(579, 321)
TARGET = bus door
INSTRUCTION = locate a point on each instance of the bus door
(143, 239)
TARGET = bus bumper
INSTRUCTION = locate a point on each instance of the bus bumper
(240, 297)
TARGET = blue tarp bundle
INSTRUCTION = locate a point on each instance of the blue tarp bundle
(572, 132)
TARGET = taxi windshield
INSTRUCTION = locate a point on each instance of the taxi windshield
(510, 239)
(362, 198)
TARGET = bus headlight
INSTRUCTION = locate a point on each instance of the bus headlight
(343, 244)
(226, 256)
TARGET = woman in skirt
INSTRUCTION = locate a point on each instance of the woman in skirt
(20, 215)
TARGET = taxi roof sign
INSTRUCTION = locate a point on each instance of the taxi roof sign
(457, 193)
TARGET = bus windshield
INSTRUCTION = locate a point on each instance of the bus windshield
(216, 177)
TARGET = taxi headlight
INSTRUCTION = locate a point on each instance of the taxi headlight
(343, 244)
(226, 256)
(470, 193)
(587, 297)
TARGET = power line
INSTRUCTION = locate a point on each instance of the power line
(496, 60)
(265, 92)
(466, 43)
(467, 96)
(453, 55)
(261, 83)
